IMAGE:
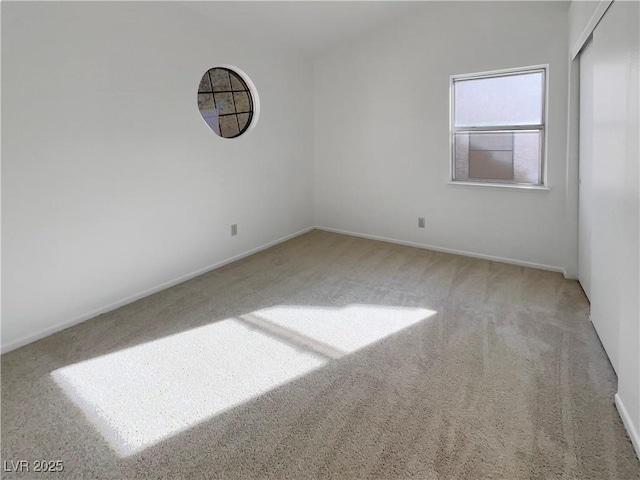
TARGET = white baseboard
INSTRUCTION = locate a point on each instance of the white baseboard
(145, 293)
(628, 424)
(150, 291)
(448, 250)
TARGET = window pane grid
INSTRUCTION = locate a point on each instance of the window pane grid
(225, 102)
(536, 126)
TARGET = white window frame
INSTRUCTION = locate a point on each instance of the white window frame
(501, 128)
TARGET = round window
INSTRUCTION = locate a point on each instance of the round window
(225, 102)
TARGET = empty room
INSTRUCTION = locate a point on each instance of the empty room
(320, 239)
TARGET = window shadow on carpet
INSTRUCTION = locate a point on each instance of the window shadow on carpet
(141, 395)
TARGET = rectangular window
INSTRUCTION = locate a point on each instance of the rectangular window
(498, 127)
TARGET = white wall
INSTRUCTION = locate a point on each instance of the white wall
(629, 351)
(381, 143)
(112, 184)
(629, 202)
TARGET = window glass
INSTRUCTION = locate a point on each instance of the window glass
(225, 102)
(499, 100)
(497, 128)
(511, 156)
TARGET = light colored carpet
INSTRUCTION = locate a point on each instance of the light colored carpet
(327, 357)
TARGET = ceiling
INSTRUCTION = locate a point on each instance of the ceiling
(305, 28)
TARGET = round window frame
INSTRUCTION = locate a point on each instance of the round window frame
(254, 98)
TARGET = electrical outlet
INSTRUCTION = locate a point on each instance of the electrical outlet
(234, 229)
(420, 222)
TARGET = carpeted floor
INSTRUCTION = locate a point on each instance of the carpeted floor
(326, 357)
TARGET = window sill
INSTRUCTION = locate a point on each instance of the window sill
(537, 188)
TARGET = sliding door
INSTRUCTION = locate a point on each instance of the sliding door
(608, 209)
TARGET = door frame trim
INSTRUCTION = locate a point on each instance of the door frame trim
(599, 12)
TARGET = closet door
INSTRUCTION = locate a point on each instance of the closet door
(607, 172)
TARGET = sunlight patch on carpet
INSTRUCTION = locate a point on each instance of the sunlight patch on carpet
(348, 328)
(139, 396)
